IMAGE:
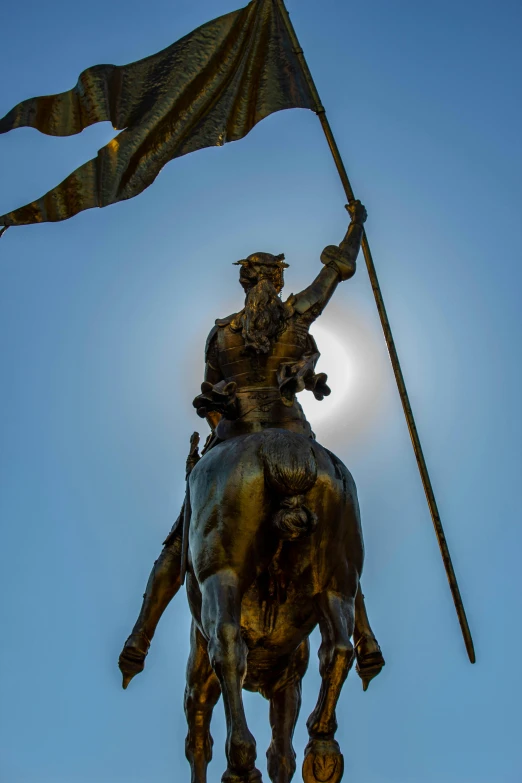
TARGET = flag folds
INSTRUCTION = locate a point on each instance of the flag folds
(208, 88)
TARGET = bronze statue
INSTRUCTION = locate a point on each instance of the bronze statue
(269, 535)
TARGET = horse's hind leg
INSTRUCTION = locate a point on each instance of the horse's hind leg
(285, 703)
(201, 694)
(221, 618)
(323, 760)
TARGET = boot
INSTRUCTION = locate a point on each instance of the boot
(132, 657)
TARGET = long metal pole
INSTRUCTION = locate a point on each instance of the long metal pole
(417, 448)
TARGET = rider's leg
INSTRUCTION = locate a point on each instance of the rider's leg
(369, 656)
(221, 618)
(335, 659)
(285, 703)
(201, 695)
(162, 586)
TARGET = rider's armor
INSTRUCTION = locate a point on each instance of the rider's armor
(260, 403)
(260, 378)
(250, 387)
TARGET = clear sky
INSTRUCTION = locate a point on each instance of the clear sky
(102, 324)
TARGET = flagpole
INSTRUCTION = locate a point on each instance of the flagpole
(408, 413)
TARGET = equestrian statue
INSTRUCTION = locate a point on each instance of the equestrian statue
(269, 536)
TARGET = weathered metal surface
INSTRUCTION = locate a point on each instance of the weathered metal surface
(269, 535)
(209, 88)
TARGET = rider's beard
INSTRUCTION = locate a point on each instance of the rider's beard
(263, 316)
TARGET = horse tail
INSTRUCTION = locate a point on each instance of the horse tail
(291, 471)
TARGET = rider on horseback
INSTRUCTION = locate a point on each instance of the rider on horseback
(257, 360)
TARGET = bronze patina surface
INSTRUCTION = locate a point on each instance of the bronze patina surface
(209, 88)
(269, 535)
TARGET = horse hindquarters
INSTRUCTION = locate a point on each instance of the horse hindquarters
(247, 494)
(235, 490)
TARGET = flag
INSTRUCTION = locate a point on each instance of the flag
(208, 88)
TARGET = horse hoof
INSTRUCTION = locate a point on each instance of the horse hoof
(323, 763)
(281, 764)
(249, 777)
(132, 657)
(369, 660)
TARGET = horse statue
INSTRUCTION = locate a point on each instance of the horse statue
(269, 536)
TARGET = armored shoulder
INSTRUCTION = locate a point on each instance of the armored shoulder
(211, 341)
(225, 321)
(211, 344)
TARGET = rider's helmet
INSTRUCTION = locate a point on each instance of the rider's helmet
(262, 266)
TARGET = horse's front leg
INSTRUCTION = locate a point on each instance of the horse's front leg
(323, 759)
(221, 619)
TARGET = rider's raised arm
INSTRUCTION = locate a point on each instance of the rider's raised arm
(339, 264)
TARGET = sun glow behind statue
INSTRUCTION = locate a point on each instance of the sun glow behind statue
(337, 362)
(356, 364)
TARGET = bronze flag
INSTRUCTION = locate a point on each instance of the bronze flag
(209, 88)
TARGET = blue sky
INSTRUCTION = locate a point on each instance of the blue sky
(102, 324)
